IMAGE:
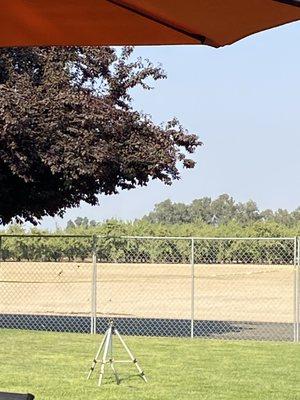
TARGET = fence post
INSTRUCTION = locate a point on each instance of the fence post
(295, 288)
(192, 286)
(297, 284)
(94, 288)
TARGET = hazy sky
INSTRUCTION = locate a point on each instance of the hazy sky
(243, 102)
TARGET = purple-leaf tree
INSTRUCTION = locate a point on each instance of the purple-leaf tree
(68, 131)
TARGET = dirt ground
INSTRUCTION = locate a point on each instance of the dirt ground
(222, 292)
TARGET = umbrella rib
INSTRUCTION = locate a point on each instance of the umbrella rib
(295, 3)
(142, 13)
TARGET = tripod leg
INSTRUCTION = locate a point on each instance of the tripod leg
(96, 357)
(104, 358)
(111, 359)
(133, 359)
(115, 372)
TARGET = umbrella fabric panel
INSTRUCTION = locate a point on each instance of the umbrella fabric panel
(221, 22)
(79, 22)
(139, 22)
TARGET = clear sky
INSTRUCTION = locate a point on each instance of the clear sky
(244, 103)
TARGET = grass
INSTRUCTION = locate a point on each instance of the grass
(54, 366)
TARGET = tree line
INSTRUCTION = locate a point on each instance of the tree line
(220, 218)
(219, 211)
(145, 250)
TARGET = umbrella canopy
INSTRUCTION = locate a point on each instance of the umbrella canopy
(139, 22)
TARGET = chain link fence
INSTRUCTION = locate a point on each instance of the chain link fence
(235, 288)
(46, 283)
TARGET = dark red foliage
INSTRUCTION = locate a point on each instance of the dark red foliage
(68, 131)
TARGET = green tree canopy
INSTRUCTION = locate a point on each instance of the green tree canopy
(222, 210)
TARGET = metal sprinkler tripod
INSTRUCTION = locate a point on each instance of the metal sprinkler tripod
(106, 349)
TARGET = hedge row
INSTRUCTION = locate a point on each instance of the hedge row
(160, 251)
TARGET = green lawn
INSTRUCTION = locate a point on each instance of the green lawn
(54, 366)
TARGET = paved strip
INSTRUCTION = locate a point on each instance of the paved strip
(154, 327)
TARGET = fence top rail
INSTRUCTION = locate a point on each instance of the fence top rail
(44, 235)
(90, 236)
(194, 238)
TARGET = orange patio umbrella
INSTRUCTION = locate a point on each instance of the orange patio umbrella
(139, 22)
